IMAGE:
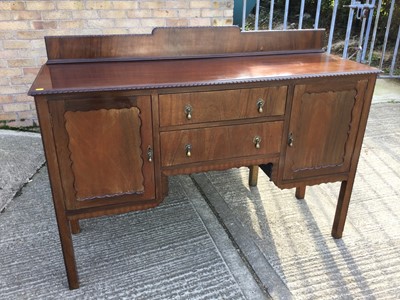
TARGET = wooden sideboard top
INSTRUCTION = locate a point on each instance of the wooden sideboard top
(185, 57)
(134, 75)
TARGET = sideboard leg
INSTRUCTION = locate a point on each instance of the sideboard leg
(63, 223)
(164, 182)
(253, 175)
(75, 228)
(68, 253)
(300, 192)
(342, 208)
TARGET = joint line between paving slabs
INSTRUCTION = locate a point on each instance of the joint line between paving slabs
(232, 239)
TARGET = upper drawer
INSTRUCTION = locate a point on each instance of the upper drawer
(200, 107)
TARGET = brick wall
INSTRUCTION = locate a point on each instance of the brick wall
(23, 24)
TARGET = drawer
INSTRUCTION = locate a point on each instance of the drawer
(200, 107)
(225, 142)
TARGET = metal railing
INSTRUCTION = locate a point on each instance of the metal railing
(368, 13)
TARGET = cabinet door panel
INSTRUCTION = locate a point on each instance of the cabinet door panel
(102, 150)
(105, 155)
(323, 127)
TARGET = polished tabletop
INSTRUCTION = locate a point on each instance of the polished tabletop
(170, 73)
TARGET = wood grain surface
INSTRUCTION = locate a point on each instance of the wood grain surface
(181, 42)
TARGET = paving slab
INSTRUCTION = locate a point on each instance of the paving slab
(386, 90)
(21, 154)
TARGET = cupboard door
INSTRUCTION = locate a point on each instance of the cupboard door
(323, 127)
(104, 154)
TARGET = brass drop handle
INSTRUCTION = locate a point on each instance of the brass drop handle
(257, 142)
(260, 105)
(290, 140)
(188, 111)
(149, 154)
(188, 149)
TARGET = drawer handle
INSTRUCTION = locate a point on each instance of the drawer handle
(149, 154)
(188, 149)
(260, 105)
(188, 111)
(290, 140)
(257, 142)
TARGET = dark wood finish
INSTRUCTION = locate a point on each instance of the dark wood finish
(347, 185)
(253, 175)
(221, 105)
(114, 119)
(300, 192)
(75, 228)
(103, 150)
(219, 143)
(323, 128)
(205, 166)
(182, 42)
(57, 192)
(139, 75)
(106, 154)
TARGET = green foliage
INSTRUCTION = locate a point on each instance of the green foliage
(33, 128)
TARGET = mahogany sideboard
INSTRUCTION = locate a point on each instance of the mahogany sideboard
(120, 113)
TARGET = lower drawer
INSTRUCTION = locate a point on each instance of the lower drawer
(225, 142)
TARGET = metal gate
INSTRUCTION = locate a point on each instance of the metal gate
(359, 43)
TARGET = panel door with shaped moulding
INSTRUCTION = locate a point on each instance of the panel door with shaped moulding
(104, 149)
(323, 127)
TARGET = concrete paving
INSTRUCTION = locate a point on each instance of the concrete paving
(213, 237)
(387, 90)
(21, 154)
